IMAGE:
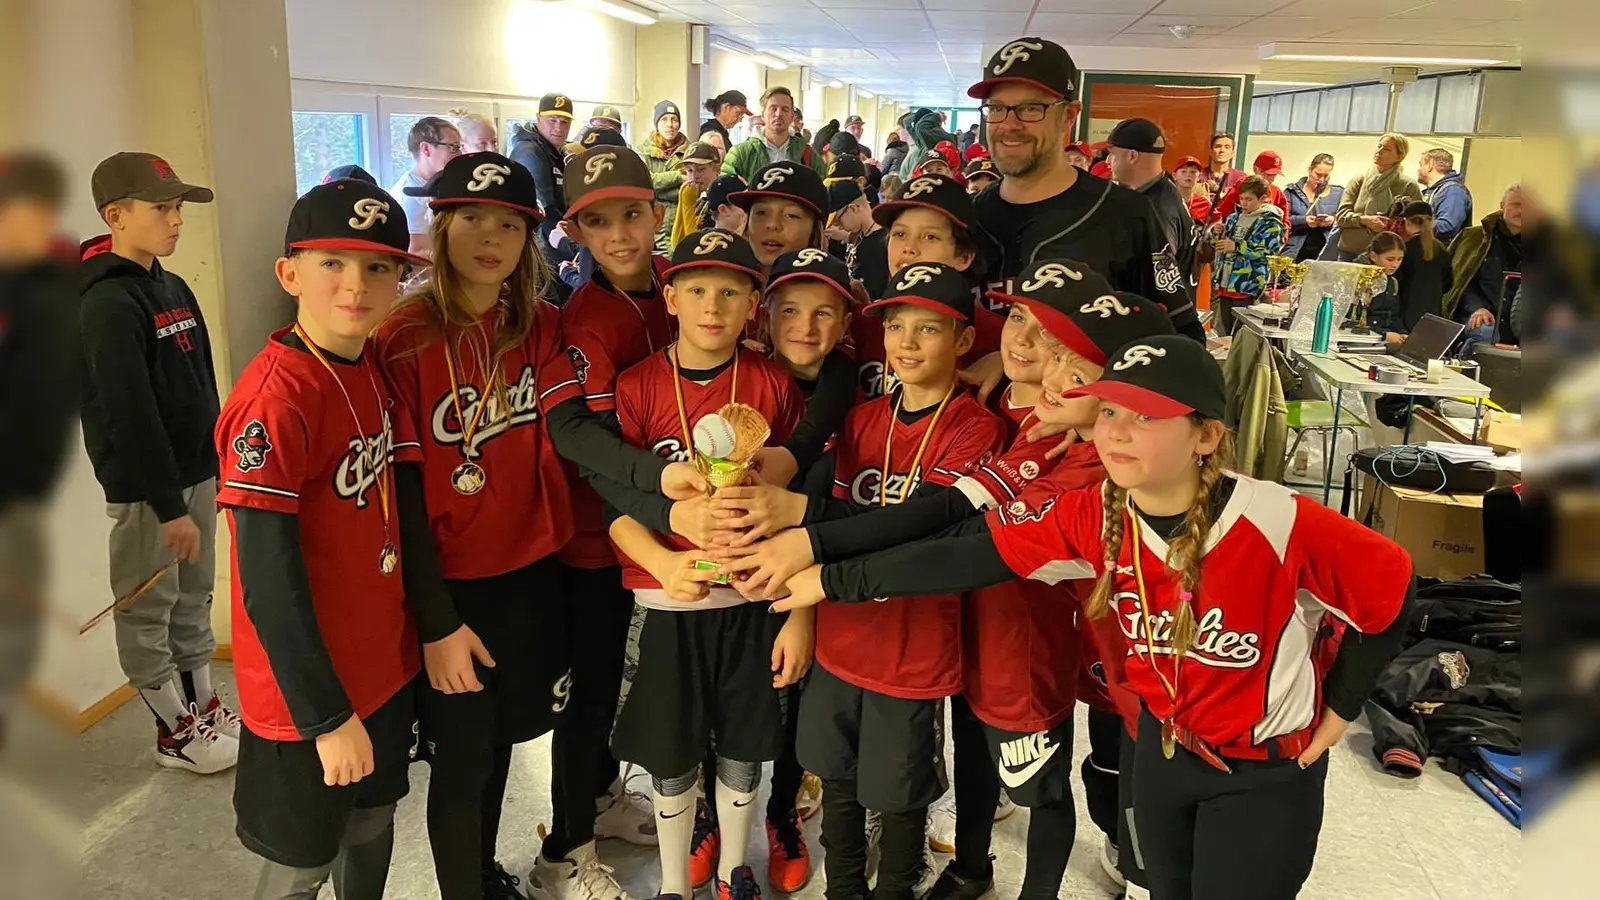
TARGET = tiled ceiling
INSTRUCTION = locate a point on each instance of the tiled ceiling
(928, 51)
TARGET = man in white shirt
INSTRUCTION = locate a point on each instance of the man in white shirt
(433, 142)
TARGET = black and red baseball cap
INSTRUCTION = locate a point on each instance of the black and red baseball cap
(785, 180)
(983, 168)
(814, 264)
(349, 171)
(940, 193)
(604, 172)
(1079, 308)
(942, 288)
(715, 248)
(1162, 377)
(481, 178)
(349, 215)
(1030, 60)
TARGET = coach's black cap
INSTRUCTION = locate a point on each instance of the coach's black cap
(1030, 60)
(1162, 377)
(350, 171)
(940, 193)
(786, 180)
(847, 167)
(481, 178)
(602, 137)
(944, 289)
(555, 105)
(349, 215)
(843, 193)
(715, 248)
(844, 143)
(722, 191)
(1142, 135)
(983, 168)
(737, 98)
(141, 176)
(815, 264)
(1078, 307)
(606, 173)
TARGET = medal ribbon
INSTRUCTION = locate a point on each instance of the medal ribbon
(1171, 687)
(385, 477)
(470, 429)
(888, 446)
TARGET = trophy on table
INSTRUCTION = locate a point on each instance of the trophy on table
(1368, 278)
(1284, 276)
(725, 445)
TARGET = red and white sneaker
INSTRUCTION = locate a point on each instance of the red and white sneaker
(195, 746)
(742, 887)
(222, 719)
(705, 849)
(788, 857)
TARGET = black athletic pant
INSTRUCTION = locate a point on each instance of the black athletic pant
(1052, 827)
(1209, 835)
(599, 611)
(786, 769)
(1100, 768)
(1130, 849)
(844, 840)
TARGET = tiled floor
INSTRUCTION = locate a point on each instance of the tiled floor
(155, 834)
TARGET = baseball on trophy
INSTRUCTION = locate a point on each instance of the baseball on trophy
(714, 437)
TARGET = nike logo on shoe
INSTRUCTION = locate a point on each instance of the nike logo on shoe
(1022, 758)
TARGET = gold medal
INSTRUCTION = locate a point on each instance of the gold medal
(1169, 741)
(388, 559)
(468, 478)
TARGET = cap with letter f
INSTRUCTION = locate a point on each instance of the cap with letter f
(715, 248)
(1162, 377)
(349, 214)
(604, 172)
(1030, 60)
(1078, 307)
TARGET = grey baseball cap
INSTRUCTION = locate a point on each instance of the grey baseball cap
(141, 176)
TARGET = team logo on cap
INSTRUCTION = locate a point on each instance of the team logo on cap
(922, 186)
(810, 256)
(916, 275)
(486, 175)
(1053, 274)
(711, 242)
(163, 169)
(252, 446)
(369, 211)
(1105, 306)
(598, 165)
(1014, 52)
(1137, 355)
(773, 176)
(561, 102)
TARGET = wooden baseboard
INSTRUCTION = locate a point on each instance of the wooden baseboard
(63, 712)
(223, 652)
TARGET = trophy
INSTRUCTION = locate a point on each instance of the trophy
(1284, 277)
(1368, 278)
(1341, 281)
(725, 445)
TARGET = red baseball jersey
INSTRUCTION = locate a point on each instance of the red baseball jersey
(1276, 563)
(287, 443)
(607, 333)
(647, 407)
(521, 512)
(903, 649)
(866, 339)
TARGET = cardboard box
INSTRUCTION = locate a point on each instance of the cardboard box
(1502, 430)
(1442, 532)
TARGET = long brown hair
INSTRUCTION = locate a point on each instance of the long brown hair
(1183, 552)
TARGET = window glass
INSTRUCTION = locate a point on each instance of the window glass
(1282, 115)
(1333, 114)
(1414, 115)
(1304, 111)
(1369, 108)
(1457, 111)
(323, 140)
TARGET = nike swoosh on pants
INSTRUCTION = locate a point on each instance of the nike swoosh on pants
(1021, 776)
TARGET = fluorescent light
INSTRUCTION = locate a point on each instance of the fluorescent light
(836, 83)
(866, 94)
(621, 9)
(1263, 83)
(771, 62)
(1384, 53)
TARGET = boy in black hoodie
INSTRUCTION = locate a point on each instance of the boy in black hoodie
(149, 407)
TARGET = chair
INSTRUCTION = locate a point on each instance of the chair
(1317, 415)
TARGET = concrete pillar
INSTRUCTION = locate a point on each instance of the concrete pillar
(665, 73)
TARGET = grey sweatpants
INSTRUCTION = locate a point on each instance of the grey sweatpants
(168, 628)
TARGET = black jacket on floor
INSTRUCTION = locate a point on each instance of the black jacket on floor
(149, 389)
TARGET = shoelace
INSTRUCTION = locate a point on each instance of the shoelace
(197, 727)
(788, 832)
(502, 881)
(638, 798)
(596, 879)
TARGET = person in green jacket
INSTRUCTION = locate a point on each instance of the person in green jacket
(775, 142)
(662, 148)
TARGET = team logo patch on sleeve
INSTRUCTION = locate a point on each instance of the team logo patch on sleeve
(580, 364)
(252, 446)
(1168, 275)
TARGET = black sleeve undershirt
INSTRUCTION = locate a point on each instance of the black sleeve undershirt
(1361, 660)
(830, 400)
(583, 437)
(420, 569)
(930, 510)
(962, 558)
(277, 599)
(644, 504)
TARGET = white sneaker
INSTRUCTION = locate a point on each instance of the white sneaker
(927, 873)
(1108, 862)
(942, 824)
(874, 842)
(626, 813)
(222, 719)
(581, 876)
(195, 746)
(1005, 808)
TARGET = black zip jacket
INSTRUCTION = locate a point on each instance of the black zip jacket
(149, 389)
(546, 163)
(39, 369)
(1183, 235)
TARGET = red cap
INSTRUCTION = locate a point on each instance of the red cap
(1081, 147)
(1189, 161)
(1269, 163)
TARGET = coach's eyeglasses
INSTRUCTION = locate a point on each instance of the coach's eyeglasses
(995, 113)
(452, 148)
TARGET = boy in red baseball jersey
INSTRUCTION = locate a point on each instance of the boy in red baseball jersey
(1221, 586)
(324, 644)
(699, 666)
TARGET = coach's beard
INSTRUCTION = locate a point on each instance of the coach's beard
(1012, 167)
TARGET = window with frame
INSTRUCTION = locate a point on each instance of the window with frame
(325, 140)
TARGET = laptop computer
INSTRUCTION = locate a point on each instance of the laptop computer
(1431, 339)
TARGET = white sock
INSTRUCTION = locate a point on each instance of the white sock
(1136, 893)
(735, 813)
(203, 691)
(675, 834)
(167, 702)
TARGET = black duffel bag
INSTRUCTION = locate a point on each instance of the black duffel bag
(1478, 611)
(1415, 467)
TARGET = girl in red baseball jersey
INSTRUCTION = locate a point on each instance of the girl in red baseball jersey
(482, 374)
(1223, 589)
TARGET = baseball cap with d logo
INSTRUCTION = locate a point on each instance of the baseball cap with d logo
(715, 248)
(936, 286)
(481, 178)
(1162, 377)
(555, 105)
(1078, 307)
(606, 173)
(785, 180)
(1030, 60)
(349, 215)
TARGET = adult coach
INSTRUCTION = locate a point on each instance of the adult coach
(1135, 155)
(1045, 208)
